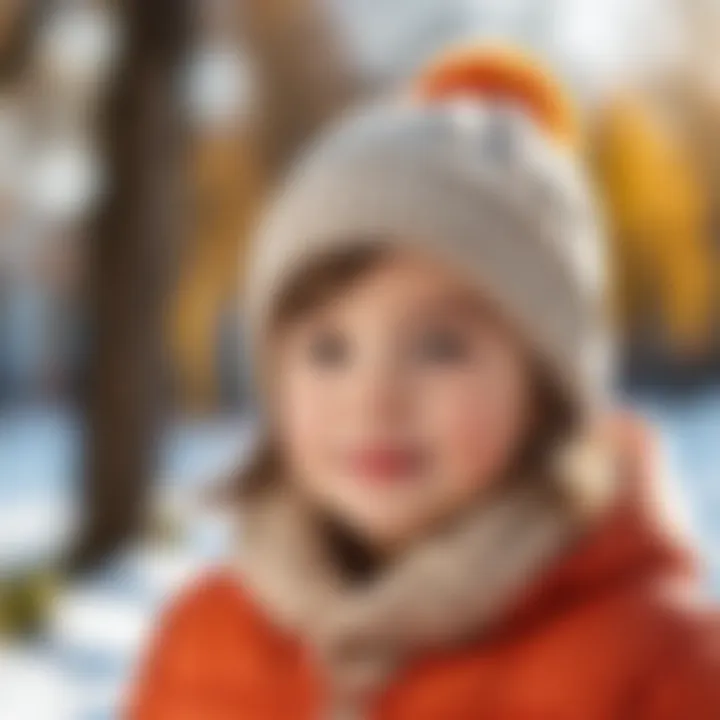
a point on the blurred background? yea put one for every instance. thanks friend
(138, 140)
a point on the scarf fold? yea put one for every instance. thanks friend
(447, 589)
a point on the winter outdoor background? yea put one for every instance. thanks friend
(137, 141)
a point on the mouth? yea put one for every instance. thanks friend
(385, 464)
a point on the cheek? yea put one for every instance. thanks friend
(477, 421)
(303, 407)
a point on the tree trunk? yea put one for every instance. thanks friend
(19, 23)
(132, 247)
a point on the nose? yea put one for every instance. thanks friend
(377, 392)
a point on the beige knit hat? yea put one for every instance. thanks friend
(478, 168)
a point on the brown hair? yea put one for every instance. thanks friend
(323, 280)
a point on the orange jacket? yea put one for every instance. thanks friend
(612, 632)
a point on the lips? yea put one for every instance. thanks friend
(384, 464)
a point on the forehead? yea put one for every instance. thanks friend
(406, 282)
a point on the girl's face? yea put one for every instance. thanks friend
(400, 400)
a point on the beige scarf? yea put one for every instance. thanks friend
(447, 589)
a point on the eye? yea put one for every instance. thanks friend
(442, 346)
(328, 349)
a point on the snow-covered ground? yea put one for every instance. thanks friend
(80, 669)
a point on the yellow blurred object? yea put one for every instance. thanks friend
(659, 218)
(228, 189)
(26, 601)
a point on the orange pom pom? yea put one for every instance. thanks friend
(506, 74)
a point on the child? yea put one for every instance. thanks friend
(442, 524)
